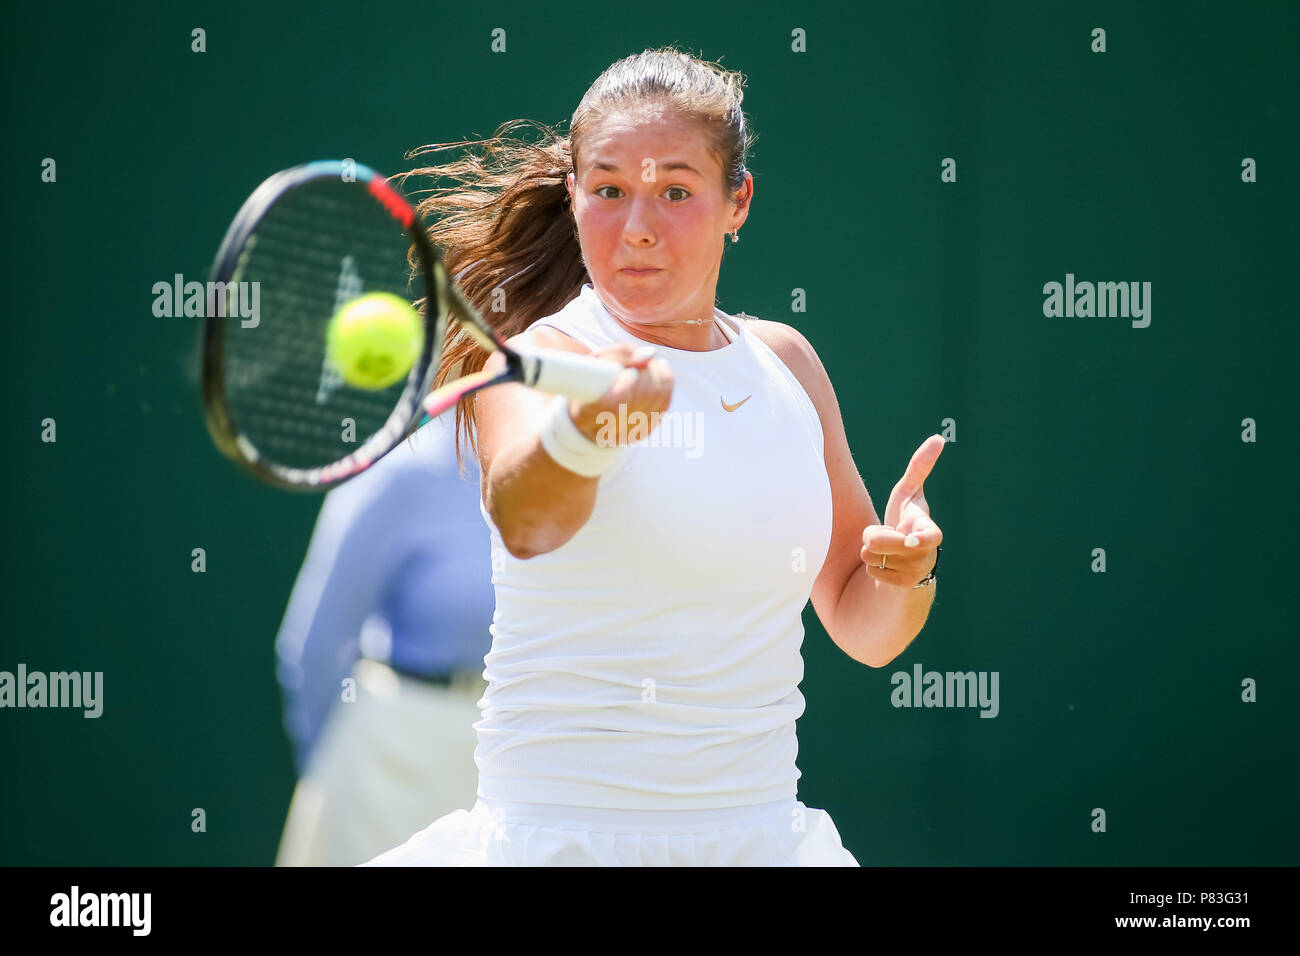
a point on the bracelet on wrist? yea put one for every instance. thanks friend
(930, 578)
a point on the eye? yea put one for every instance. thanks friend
(685, 193)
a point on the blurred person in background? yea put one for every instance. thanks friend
(380, 654)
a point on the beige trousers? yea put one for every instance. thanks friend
(385, 766)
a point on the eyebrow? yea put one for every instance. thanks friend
(610, 167)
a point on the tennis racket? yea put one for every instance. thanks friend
(308, 241)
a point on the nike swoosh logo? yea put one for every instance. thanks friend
(732, 408)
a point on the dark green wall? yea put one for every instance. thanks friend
(1119, 690)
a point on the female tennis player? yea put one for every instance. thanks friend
(654, 549)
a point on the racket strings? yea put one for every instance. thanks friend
(319, 246)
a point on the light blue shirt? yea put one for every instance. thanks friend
(403, 550)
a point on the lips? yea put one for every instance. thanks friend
(639, 272)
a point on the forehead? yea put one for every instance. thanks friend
(626, 138)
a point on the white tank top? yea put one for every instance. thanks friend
(652, 662)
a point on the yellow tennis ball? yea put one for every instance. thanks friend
(374, 340)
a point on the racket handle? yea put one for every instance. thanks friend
(579, 377)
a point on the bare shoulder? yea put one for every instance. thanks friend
(548, 337)
(794, 349)
(537, 337)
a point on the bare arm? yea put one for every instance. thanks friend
(870, 620)
(537, 504)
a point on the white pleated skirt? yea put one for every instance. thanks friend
(491, 833)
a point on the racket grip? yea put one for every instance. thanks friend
(579, 377)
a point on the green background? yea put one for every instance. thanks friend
(1119, 690)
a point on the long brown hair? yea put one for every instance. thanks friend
(506, 228)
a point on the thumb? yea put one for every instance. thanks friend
(627, 354)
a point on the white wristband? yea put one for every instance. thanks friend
(572, 449)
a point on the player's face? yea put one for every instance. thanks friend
(661, 207)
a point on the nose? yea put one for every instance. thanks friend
(640, 228)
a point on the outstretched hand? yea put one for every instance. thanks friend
(908, 541)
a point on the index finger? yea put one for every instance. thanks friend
(879, 539)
